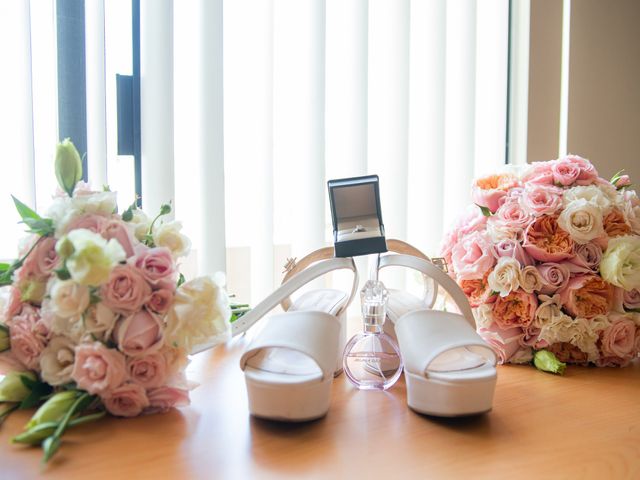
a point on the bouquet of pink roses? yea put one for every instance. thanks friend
(550, 262)
(98, 318)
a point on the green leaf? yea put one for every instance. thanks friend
(62, 273)
(616, 176)
(50, 446)
(4, 267)
(485, 211)
(181, 280)
(6, 409)
(24, 211)
(39, 390)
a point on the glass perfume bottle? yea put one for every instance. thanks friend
(372, 358)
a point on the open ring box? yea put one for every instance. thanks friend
(356, 215)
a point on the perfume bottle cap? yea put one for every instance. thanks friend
(374, 296)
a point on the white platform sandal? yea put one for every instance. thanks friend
(449, 370)
(290, 364)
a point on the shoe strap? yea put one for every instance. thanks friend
(423, 335)
(314, 334)
(429, 269)
(297, 281)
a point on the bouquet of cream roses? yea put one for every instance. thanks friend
(98, 318)
(550, 262)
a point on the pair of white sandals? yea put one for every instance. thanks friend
(290, 364)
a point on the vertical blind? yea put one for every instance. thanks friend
(249, 106)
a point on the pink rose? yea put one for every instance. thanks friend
(159, 301)
(470, 221)
(98, 369)
(164, 398)
(529, 338)
(555, 276)
(139, 334)
(631, 299)
(490, 199)
(539, 173)
(150, 371)
(510, 214)
(623, 181)
(28, 336)
(618, 340)
(14, 305)
(517, 309)
(612, 362)
(512, 249)
(118, 230)
(587, 255)
(157, 267)
(541, 199)
(587, 296)
(504, 342)
(565, 173)
(127, 400)
(473, 256)
(41, 261)
(588, 173)
(89, 221)
(490, 191)
(126, 291)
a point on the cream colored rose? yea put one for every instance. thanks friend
(620, 263)
(505, 276)
(99, 321)
(483, 316)
(548, 311)
(600, 196)
(530, 279)
(524, 355)
(582, 220)
(168, 235)
(56, 361)
(92, 257)
(100, 203)
(141, 223)
(68, 299)
(199, 316)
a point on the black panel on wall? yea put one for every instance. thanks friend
(72, 100)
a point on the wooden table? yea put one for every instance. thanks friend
(583, 425)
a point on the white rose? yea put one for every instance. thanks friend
(100, 203)
(62, 211)
(548, 311)
(585, 335)
(620, 263)
(629, 204)
(99, 321)
(141, 223)
(92, 257)
(524, 355)
(598, 195)
(505, 276)
(168, 235)
(68, 299)
(483, 315)
(498, 231)
(530, 279)
(56, 361)
(582, 220)
(199, 315)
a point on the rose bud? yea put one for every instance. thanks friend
(547, 362)
(12, 389)
(54, 409)
(4, 338)
(68, 166)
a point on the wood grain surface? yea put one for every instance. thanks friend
(583, 425)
